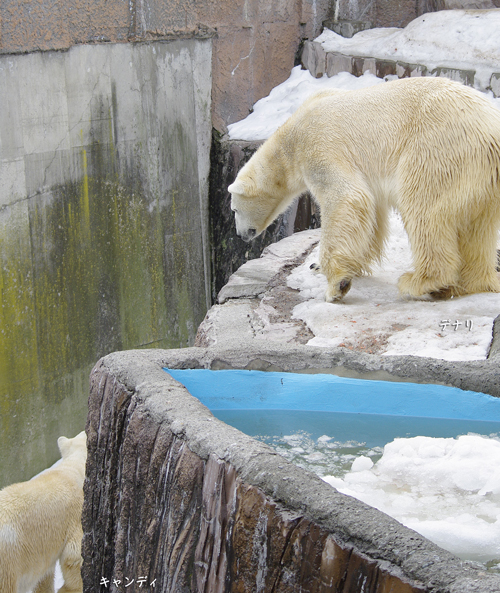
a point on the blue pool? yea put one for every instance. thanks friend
(392, 445)
(371, 412)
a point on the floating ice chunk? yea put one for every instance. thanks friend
(446, 489)
(361, 463)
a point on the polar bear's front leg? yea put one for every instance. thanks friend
(349, 239)
(338, 273)
(340, 289)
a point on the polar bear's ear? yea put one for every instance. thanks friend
(63, 444)
(237, 187)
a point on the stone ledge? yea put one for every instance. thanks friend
(318, 62)
(245, 323)
(253, 277)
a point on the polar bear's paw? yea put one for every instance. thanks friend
(415, 286)
(337, 291)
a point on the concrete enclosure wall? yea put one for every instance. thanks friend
(104, 164)
(254, 49)
(177, 498)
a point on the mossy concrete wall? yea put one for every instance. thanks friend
(104, 162)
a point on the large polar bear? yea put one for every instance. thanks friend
(428, 147)
(40, 523)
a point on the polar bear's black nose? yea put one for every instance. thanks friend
(248, 235)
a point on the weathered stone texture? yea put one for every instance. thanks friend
(495, 84)
(179, 498)
(314, 58)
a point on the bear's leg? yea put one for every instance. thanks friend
(71, 563)
(436, 257)
(352, 236)
(479, 256)
(46, 585)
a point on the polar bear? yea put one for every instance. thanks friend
(428, 147)
(40, 523)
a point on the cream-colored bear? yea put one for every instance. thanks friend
(40, 523)
(428, 147)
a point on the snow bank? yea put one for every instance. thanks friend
(463, 39)
(272, 111)
(448, 490)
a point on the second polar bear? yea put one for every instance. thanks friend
(40, 523)
(428, 147)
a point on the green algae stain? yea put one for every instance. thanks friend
(109, 259)
(17, 321)
(89, 268)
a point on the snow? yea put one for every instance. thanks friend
(272, 111)
(462, 39)
(372, 317)
(448, 490)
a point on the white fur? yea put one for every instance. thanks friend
(40, 523)
(428, 147)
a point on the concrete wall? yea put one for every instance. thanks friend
(254, 49)
(104, 163)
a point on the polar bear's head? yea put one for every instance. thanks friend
(261, 192)
(76, 445)
(250, 219)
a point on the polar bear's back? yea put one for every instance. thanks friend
(409, 100)
(49, 507)
(390, 131)
(41, 517)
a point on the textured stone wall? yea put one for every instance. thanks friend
(177, 498)
(398, 13)
(104, 164)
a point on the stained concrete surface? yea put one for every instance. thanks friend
(104, 165)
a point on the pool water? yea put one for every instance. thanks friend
(328, 442)
(428, 455)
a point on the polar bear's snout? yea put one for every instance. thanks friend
(247, 235)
